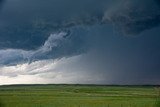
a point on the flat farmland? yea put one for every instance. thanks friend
(78, 96)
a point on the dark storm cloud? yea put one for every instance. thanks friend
(25, 30)
(32, 30)
(125, 60)
(1, 3)
(33, 25)
(58, 45)
(133, 17)
(35, 30)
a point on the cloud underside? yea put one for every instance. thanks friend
(42, 42)
(29, 41)
(47, 71)
(67, 70)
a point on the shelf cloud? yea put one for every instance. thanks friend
(119, 38)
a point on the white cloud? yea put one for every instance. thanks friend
(65, 70)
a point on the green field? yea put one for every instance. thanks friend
(78, 96)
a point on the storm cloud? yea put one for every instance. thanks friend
(133, 17)
(41, 19)
(117, 36)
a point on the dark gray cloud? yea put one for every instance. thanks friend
(33, 30)
(29, 28)
(1, 2)
(58, 45)
(40, 20)
(133, 17)
(33, 25)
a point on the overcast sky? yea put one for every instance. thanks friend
(79, 41)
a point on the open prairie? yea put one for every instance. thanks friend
(78, 96)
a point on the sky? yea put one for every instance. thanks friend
(80, 42)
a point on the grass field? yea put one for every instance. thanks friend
(78, 96)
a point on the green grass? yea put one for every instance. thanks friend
(78, 96)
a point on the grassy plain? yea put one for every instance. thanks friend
(78, 96)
